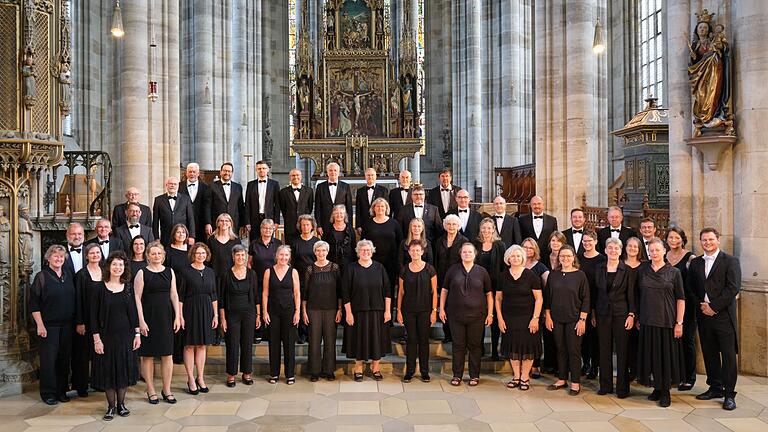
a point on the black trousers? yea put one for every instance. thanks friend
(495, 336)
(282, 332)
(322, 331)
(467, 337)
(689, 343)
(239, 339)
(590, 350)
(718, 347)
(550, 350)
(82, 350)
(447, 330)
(612, 335)
(55, 351)
(568, 351)
(632, 354)
(417, 326)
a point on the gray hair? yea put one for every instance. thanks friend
(510, 250)
(321, 244)
(340, 207)
(282, 248)
(193, 165)
(53, 250)
(238, 248)
(267, 222)
(376, 202)
(364, 243)
(615, 241)
(451, 217)
(306, 217)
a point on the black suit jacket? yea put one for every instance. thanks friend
(510, 230)
(271, 205)
(235, 207)
(201, 206)
(626, 233)
(292, 209)
(433, 197)
(569, 238)
(619, 298)
(721, 286)
(165, 218)
(118, 215)
(363, 208)
(473, 225)
(124, 234)
(396, 201)
(115, 244)
(433, 225)
(547, 228)
(324, 204)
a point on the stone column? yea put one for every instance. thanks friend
(202, 40)
(438, 65)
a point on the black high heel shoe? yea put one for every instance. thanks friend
(201, 388)
(193, 392)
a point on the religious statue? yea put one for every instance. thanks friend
(65, 84)
(345, 124)
(407, 88)
(330, 29)
(25, 236)
(394, 103)
(304, 96)
(28, 72)
(5, 237)
(709, 74)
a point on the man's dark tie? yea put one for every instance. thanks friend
(331, 184)
(262, 181)
(539, 217)
(133, 226)
(192, 185)
(225, 184)
(578, 231)
(463, 211)
(74, 249)
(103, 242)
(172, 197)
(444, 190)
(615, 230)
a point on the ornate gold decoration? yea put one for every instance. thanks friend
(41, 113)
(9, 84)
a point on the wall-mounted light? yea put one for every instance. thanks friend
(207, 99)
(598, 45)
(117, 21)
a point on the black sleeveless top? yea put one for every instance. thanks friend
(281, 291)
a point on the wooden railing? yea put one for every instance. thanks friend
(595, 217)
(517, 184)
(660, 216)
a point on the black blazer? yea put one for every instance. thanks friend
(433, 224)
(324, 204)
(165, 218)
(292, 209)
(115, 244)
(124, 235)
(396, 201)
(271, 205)
(473, 225)
(118, 215)
(235, 207)
(619, 298)
(722, 285)
(626, 233)
(510, 230)
(363, 208)
(548, 227)
(201, 206)
(433, 197)
(569, 238)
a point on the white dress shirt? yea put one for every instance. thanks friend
(332, 191)
(709, 261)
(370, 193)
(104, 247)
(262, 188)
(499, 218)
(538, 224)
(404, 195)
(172, 202)
(615, 234)
(418, 211)
(464, 216)
(77, 257)
(577, 237)
(134, 231)
(445, 196)
(227, 189)
(192, 190)
(296, 192)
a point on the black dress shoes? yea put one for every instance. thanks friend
(654, 396)
(603, 392)
(729, 404)
(685, 387)
(63, 398)
(710, 394)
(592, 373)
(110, 414)
(50, 400)
(665, 400)
(82, 393)
(123, 411)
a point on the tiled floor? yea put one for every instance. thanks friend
(389, 405)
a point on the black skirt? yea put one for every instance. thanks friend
(520, 344)
(660, 357)
(368, 339)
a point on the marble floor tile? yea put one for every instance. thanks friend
(436, 428)
(591, 426)
(358, 387)
(288, 408)
(514, 427)
(394, 407)
(252, 408)
(359, 408)
(429, 407)
(744, 424)
(668, 426)
(217, 408)
(60, 420)
(570, 404)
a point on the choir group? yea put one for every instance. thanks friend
(167, 282)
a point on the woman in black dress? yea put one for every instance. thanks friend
(116, 337)
(633, 257)
(417, 309)
(447, 254)
(590, 261)
(340, 238)
(221, 243)
(532, 256)
(52, 302)
(365, 292)
(680, 258)
(321, 310)
(470, 308)
(415, 232)
(302, 256)
(490, 255)
(281, 303)
(239, 315)
(518, 305)
(384, 232)
(262, 253)
(86, 282)
(661, 311)
(177, 254)
(138, 260)
(614, 313)
(157, 301)
(566, 306)
(199, 314)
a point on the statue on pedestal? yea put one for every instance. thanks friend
(28, 73)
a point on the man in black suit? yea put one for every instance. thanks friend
(365, 197)
(295, 200)
(433, 225)
(470, 219)
(507, 226)
(443, 196)
(714, 280)
(400, 196)
(615, 229)
(647, 232)
(170, 209)
(261, 200)
(329, 194)
(538, 225)
(75, 259)
(227, 197)
(574, 233)
(200, 195)
(132, 195)
(133, 228)
(107, 242)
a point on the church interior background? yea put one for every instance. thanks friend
(587, 103)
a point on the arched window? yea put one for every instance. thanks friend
(651, 50)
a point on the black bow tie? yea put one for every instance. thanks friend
(444, 190)
(296, 189)
(418, 206)
(75, 249)
(103, 242)
(615, 230)
(404, 189)
(225, 184)
(262, 181)
(172, 197)
(498, 217)
(133, 226)
(192, 185)
(463, 211)
(371, 187)
(646, 243)
(539, 217)
(331, 184)
(578, 231)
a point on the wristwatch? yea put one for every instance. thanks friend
(583, 319)
(632, 314)
(434, 310)
(680, 323)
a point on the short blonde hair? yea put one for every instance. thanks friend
(53, 250)
(494, 236)
(376, 202)
(512, 249)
